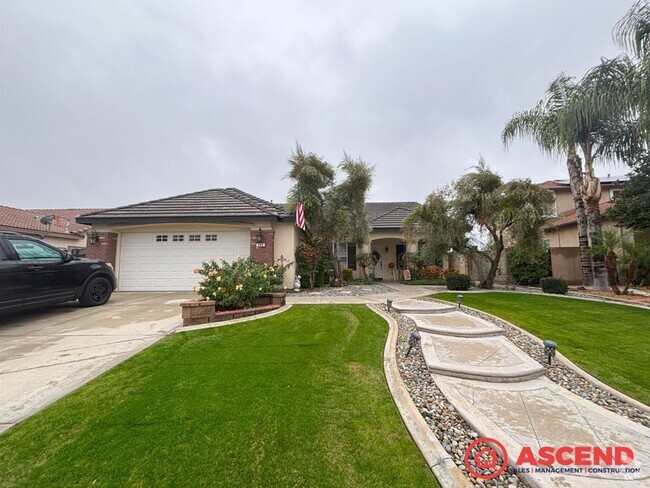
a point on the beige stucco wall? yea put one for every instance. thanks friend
(563, 202)
(567, 236)
(67, 244)
(287, 237)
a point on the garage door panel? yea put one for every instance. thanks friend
(148, 265)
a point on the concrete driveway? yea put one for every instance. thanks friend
(48, 353)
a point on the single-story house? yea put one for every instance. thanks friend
(61, 231)
(154, 245)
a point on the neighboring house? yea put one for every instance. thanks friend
(154, 245)
(62, 232)
(561, 233)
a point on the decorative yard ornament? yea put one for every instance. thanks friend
(296, 284)
(389, 303)
(459, 299)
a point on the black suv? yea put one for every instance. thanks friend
(33, 274)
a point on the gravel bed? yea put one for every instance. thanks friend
(349, 290)
(452, 431)
(562, 375)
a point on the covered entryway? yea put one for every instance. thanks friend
(163, 261)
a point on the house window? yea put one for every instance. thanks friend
(346, 253)
(178, 238)
(161, 238)
(547, 243)
(614, 193)
(195, 237)
(211, 237)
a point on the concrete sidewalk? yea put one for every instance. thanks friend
(48, 353)
(397, 292)
(500, 391)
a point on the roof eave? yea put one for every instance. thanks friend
(95, 220)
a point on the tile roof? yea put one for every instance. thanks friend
(388, 215)
(218, 204)
(570, 218)
(28, 221)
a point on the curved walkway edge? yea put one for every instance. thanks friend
(572, 366)
(213, 325)
(439, 461)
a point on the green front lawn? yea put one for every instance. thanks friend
(609, 341)
(297, 399)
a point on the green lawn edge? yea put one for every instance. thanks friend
(296, 399)
(609, 341)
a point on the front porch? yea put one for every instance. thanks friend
(389, 250)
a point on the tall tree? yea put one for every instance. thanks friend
(479, 199)
(593, 116)
(541, 124)
(334, 212)
(632, 205)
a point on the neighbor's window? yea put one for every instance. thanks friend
(211, 237)
(161, 238)
(195, 237)
(178, 238)
(28, 250)
(547, 243)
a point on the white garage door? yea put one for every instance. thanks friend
(164, 261)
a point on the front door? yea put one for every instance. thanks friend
(400, 249)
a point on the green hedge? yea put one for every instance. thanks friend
(458, 282)
(436, 282)
(554, 285)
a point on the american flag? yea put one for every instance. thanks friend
(300, 215)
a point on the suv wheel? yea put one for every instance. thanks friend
(97, 292)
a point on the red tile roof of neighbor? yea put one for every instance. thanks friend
(28, 221)
(570, 218)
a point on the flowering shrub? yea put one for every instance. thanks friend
(431, 272)
(235, 285)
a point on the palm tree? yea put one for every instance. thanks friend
(596, 117)
(541, 123)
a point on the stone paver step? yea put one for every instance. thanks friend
(421, 306)
(537, 413)
(457, 324)
(493, 359)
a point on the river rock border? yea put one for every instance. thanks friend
(448, 426)
(561, 374)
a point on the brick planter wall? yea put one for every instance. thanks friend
(271, 298)
(196, 312)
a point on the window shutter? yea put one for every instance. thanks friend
(352, 256)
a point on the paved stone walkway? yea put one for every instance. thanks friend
(503, 394)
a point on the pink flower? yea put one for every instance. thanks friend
(195, 270)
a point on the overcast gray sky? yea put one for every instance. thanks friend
(106, 103)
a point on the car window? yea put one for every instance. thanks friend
(3, 256)
(30, 250)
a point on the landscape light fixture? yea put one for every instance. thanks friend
(259, 239)
(459, 299)
(92, 236)
(389, 303)
(413, 340)
(549, 350)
